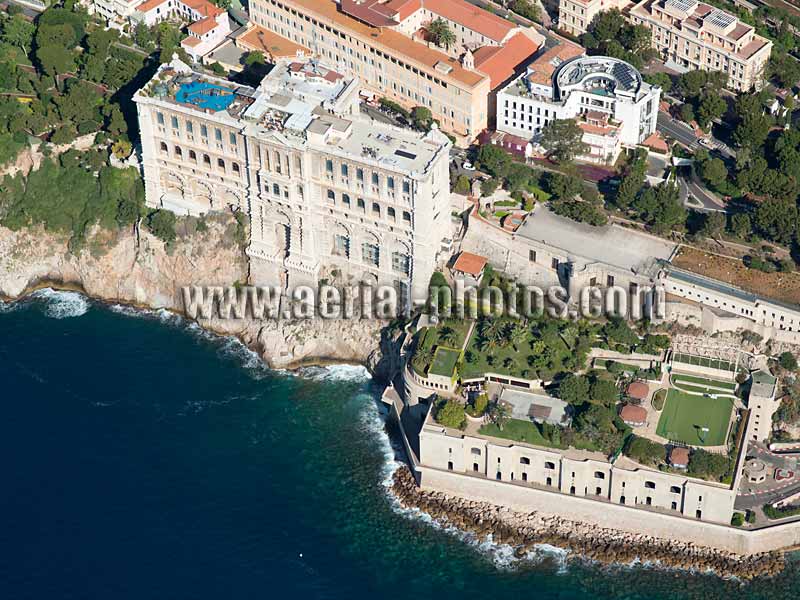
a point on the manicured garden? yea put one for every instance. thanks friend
(685, 415)
(518, 431)
(444, 362)
(708, 385)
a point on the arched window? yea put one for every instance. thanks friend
(193, 155)
(390, 212)
(376, 208)
(524, 460)
(346, 199)
(331, 195)
(207, 159)
(406, 216)
(221, 164)
(235, 167)
(178, 151)
(599, 475)
(164, 148)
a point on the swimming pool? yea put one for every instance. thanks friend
(205, 95)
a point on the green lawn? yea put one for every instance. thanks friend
(704, 382)
(684, 415)
(444, 362)
(516, 430)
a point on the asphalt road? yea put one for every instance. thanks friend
(698, 197)
(677, 130)
(767, 492)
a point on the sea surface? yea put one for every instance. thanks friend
(145, 459)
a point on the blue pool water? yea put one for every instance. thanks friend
(205, 95)
(143, 459)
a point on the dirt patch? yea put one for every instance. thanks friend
(779, 286)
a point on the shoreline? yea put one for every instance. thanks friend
(581, 541)
(66, 286)
(521, 531)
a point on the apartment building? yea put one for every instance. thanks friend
(613, 105)
(330, 193)
(574, 473)
(574, 16)
(695, 35)
(385, 44)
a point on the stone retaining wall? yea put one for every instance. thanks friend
(607, 515)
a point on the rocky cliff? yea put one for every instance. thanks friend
(136, 268)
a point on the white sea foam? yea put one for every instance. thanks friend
(62, 304)
(7, 307)
(336, 373)
(502, 555)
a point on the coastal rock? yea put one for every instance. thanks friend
(523, 531)
(135, 268)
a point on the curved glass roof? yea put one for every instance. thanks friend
(598, 73)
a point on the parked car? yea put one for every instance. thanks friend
(468, 166)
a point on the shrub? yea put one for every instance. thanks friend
(781, 513)
(737, 520)
(451, 414)
(463, 186)
(709, 466)
(161, 223)
(479, 405)
(644, 451)
(788, 361)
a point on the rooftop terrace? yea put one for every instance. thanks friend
(611, 244)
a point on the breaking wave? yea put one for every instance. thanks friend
(62, 304)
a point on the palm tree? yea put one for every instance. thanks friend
(498, 414)
(422, 358)
(440, 33)
(519, 333)
(448, 335)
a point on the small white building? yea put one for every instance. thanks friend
(614, 106)
(209, 24)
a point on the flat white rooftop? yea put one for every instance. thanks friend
(613, 245)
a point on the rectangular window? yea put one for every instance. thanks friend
(218, 135)
(406, 187)
(189, 127)
(554, 263)
(344, 170)
(532, 255)
(204, 131)
(340, 245)
(160, 118)
(390, 182)
(232, 138)
(329, 166)
(370, 254)
(174, 122)
(400, 262)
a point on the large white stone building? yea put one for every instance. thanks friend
(613, 105)
(330, 193)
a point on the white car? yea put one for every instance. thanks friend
(468, 166)
(706, 142)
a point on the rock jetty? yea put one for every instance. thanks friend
(523, 531)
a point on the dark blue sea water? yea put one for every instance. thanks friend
(142, 459)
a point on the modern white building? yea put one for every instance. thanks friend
(331, 194)
(613, 105)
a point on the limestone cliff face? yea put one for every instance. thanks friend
(138, 269)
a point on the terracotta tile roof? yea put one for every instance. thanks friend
(148, 5)
(480, 20)
(739, 31)
(392, 41)
(638, 390)
(633, 414)
(655, 142)
(543, 67)
(469, 263)
(265, 41)
(204, 7)
(679, 456)
(609, 130)
(191, 41)
(751, 48)
(380, 13)
(501, 64)
(203, 26)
